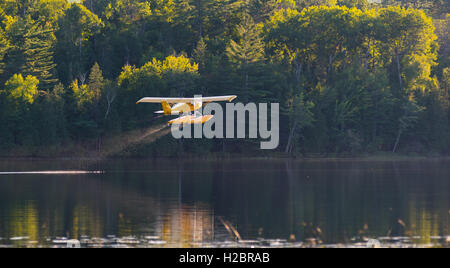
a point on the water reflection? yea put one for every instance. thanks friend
(178, 204)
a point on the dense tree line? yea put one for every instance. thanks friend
(350, 76)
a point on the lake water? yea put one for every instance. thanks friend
(224, 203)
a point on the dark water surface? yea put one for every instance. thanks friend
(173, 203)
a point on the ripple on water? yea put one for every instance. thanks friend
(111, 241)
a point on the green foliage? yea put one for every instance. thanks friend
(350, 76)
(324, 44)
(409, 37)
(38, 51)
(442, 31)
(25, 90)
(360, 4)
(300, 4)
(249, 48)
(73, 48)
(4, 46)
(96, 81)
(246, 53)
(446, 78)
(30, 50)
(49, 118)
(300, 116)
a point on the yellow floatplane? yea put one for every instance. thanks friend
(187, 107)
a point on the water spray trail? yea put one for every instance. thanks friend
(152, 131)
(52, 172)
(135, 137)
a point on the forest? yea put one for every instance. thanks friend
(351, 77)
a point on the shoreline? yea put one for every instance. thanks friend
(129, 145)
(237, 157)
(123, 146)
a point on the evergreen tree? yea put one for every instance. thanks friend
(96, 83)
(31, 51)
(4, 46)
(200, 54)
(88, 116)
(88, 95)
(249, 48)
(247, 51)
(38, 50)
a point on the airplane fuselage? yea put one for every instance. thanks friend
(186, 107)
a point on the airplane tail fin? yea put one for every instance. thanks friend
(166, 108)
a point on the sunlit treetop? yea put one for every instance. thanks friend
(127, 10)
(22, 89)
(44, 12)
(78, 24)
(171, 64)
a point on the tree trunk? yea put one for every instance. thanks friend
(397, 56)
(298, 72)
(70, 71)
(246, 87)
(81, 56)
(330, 64)
(200, 18)
(291, 137)
(127, 55)
(180, 146)
(375, 125)
(246, 93)
(397, 140)
(366, 57)
(110, 97)
(298, 77)
(99, 143)
(107, 110)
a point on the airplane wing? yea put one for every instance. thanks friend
(186, 100)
